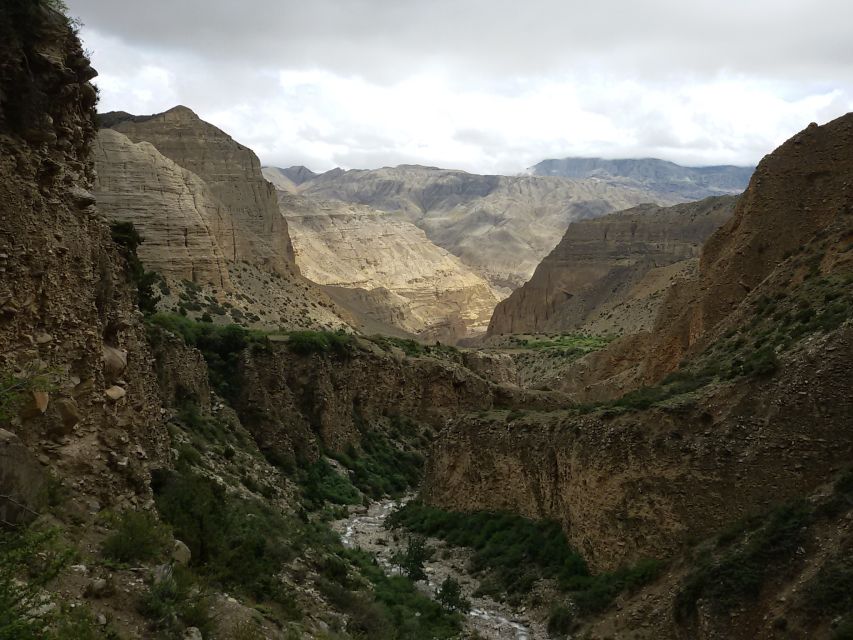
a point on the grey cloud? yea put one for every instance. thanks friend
(385, 40)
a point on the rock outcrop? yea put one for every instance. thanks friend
(665, 178)
(253, 229)
(758, 409)
(69, 324)
(212, 235)
(500, 226)
(182, 221)
(608, 275)
(354, 247)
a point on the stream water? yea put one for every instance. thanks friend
(491, 619)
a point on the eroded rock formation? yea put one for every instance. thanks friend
(608, 275)
(427, 290)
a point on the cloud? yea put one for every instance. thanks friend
(485, 86)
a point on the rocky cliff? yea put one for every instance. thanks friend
(73, 341)
(253, 230)
(429, 291)
(181, 219)
(665, 178)
(608, 275)
(210, 236)
(756, 409)
(500, 226)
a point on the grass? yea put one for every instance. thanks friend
(570, 344)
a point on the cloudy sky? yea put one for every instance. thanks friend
(491, 86)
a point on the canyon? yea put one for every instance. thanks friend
(653, 440)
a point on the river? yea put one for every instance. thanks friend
(490, 619)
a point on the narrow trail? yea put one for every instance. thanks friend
(491, 619)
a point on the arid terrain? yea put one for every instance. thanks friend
(409, 403)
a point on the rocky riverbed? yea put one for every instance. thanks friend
(365, 528)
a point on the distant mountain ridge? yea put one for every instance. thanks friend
(662, 176)
(501, 226)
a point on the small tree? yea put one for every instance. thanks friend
(411, 561)
(450, 596)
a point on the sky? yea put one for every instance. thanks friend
(488, 86)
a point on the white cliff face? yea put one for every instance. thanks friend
(172, 206)
(256, 232)
(422, 285)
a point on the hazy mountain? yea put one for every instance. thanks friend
(663, 177)
(502, 226)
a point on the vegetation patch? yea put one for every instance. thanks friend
(568, 344)
(126, 236)
(739, 574)
(516, 552)
(137, 537)
(415, 349)
(221, 346)
(382, 468)
(235, 543)
(309, 342)
(401, 611)
(321, 484)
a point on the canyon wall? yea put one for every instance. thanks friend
(617, 264)
(501, 226)
(429, 292)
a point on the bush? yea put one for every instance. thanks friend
(138, 537)
(221, 346)
(560, 621)
(126, 236)
(740, 573)
(236, 543)
(518, 550)
(175, 601)
(449, 595)
(308, 342)
(27, 563)
(321, 483)
(382, 468)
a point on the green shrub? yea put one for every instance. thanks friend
(28, 562)
(560, 621)
(126, 236)
(321, 483)
(221, 346)
(13, 390)
(740, 573)
(516, 549)
(413, 615)
(449, 595)
(137, 537)
(175, 601)
(235, 542)
(382, 468)
(308, 342)
(830, 592)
